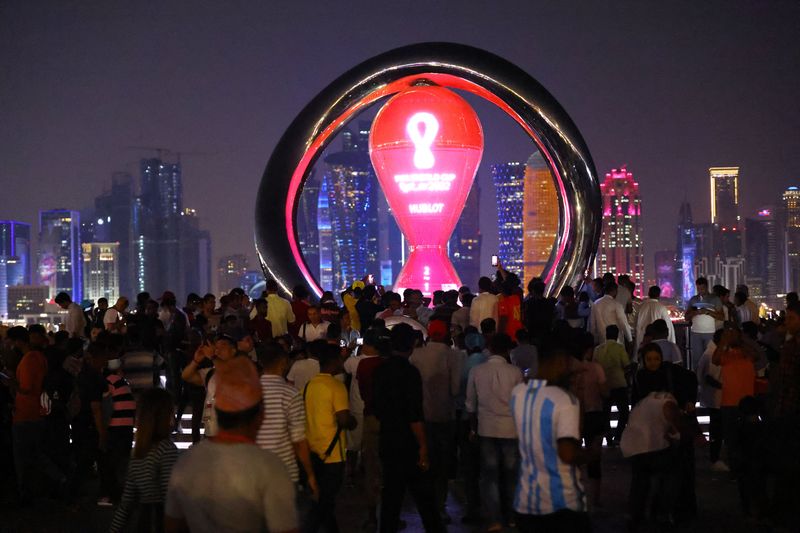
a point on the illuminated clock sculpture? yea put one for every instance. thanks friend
(426, 144)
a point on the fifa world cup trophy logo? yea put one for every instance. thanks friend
(425, 144)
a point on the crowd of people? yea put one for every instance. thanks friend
(511, 394)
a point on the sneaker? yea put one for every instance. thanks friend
(105, 501)
(719, 466)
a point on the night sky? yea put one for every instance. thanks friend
(667, 88)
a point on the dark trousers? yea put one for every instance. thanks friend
(685, 497)
(397, 477)
(559, 522)
(30, 460)
(469, 460)
(197, 398)
(619, 398)
(114, 461)
(653, 479)
(441, 447)
(84, 448)
(323, 513)
(730, 434)
(714, 434)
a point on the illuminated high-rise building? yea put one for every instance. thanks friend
(230, 270)
(686, 253)
(763, 264)
(465, 243)
(15, 258)
(620, 250)
(307, 223)
(60, 252)
(540, 216)
(665, 263)
(724, 196)
(195, 256)
(509, 187)
(353, 208)
(101, 271)
(111, 221)
(325, 236)
(791, 239)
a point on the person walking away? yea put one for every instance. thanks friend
(489, 389)
(549, 496)
(525, 355)
(228, 483)
(403, 443)
(484, 305)
(709, 379)
(649, 311)
(607, 311)
(114, 461)
(327, 418)
(283, 429)
(439, 368)
(150, 466)
(611, 355)
(259, 327)
(279, 310)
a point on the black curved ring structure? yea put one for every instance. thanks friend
(451, 65)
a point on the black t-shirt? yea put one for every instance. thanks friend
(398, 403)
(367, 309)
(539, 316)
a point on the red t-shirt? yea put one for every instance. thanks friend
(365, 375)
(30, 376)
(300, 310)
(509, 307)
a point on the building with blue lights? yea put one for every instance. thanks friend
(60, 254)
(509, 186)
(15, 258)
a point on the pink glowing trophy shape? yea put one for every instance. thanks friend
(425, 144)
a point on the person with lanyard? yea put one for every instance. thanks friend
(228, 483)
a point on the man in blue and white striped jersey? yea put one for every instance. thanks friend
(549, 494)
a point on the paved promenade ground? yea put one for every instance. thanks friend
(719, 509)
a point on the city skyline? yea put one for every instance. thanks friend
(661, 89)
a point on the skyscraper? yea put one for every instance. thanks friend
(230, 270)
(620, 250)
(60, 252)
(324, 234)
(101, 271)
(162, 208)
(195, 255)
(15, 258)
(111, 221)
(686, 252)
(465, 243)
(307, 224)
(665, 262)
(540, 217)
(763, 259)
(724, 196)
(509, 186)
(353, 208)
(791, 239)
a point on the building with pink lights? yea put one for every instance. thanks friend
(620, 250)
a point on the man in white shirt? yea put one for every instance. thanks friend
(606, 311)
(703, 310)
(315, 328)
(484, 305)
(113, 319)
(650, 311)
(75, 324)
(489, 387)
(549, 495)
(279, 310)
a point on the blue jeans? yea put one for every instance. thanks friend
(699, 343)
(499, 465)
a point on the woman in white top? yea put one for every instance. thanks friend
(647, 440)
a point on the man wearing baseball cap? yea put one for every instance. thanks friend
(228, 483)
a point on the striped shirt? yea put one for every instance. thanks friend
(543, 414)
(146, 482)
(284, 421)
(123, 404)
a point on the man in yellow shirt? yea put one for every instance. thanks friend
(327, 416)
(613, 357)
